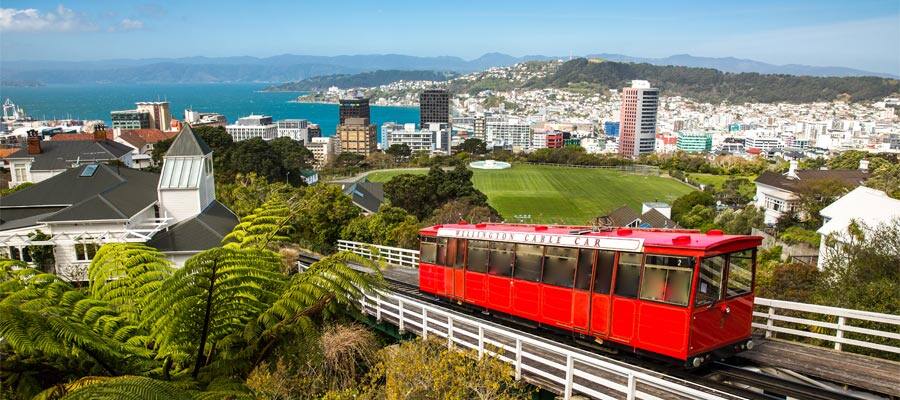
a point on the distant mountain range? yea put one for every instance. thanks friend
(364, 79)
(290, 67)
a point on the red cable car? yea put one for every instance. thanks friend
(681, 294)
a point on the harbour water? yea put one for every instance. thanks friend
(234, 100)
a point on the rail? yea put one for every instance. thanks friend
(767, 316)
(565, 368)
(772, 322)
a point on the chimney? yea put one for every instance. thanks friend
(792, 171)
(34, 142)
(99, 133)
(864, 165)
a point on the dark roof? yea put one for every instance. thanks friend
(655, 219)
(852, 177)
(204, 231)
(187, 143)
(110, 193)
(366, 195)
(622, 216)
(62, 154)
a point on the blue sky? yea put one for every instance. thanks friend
(859, 34)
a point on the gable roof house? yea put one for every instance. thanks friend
(655, 215)
(141, 142)
(368, 196)
(41, 159)
(86, 206)
(778, 194)
(864, 206)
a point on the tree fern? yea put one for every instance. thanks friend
(267, 224)
(119, 387)
(125, 274)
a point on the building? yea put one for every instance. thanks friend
(512, 134)
(555, 140)
(762, 140)
(141, 141)
(297, 129)
(86, 206)
(309, 176)
(434, 107)
(324, 149)
(434, 137)
(694, 141)
(196, 118)
(42, 159)
(611, 128)
(160, 117)
(653, 215)
(863, 206)
(357, 107)
(130, 119)
(368, 196)
(357, 136)
(777, 194)
(314, 131)
(253, 126)
(637, 118)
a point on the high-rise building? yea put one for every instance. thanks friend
(637, 117)
(160, 117)
(197, 118)
(297, 129)
(434, 107)
(611, 128)
(357, 107)
(434, 137)
(357, 136)
(324, 149)
(130, 119)
(253, 126)
(694, 141)
(512, 134)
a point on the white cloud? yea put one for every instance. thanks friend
(61, 19)
(129, 24)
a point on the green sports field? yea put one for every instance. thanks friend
(563, 195)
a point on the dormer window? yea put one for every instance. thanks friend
(181, 173)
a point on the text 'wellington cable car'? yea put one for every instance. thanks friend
(681, 294)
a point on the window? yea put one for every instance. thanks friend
(441, 251)
(22, 254)
(628, 276)
(428, 249)
(603, 276)
(479, 252)
(667, 279)
(21, 173)
(85, 251)
(457, 248)
(559, 266)
(528, 262)
(740, 272)
(501, 259)
(709, 287)
(585, 269)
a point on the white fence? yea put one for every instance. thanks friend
(773, 322)
(540, 360)
(767, 311)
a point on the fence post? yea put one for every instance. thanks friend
(770, 323)
(632, 387)
(400, 318)
(480, 341)
(570, 376)
(518, 359)
(840, 333)
(449, 331)
(424, 323)
(378, 307)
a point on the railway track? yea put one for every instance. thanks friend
(746, 381)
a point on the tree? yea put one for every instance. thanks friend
(390, 226)
(325, 211)
(294, 158)
(792, 282)
(255, 155)
(463, 209)
(420, 195)
(740, 222)
(887, 179)
(700, 217)
(814, 195)
(684, 204)
(473, 146)
(400, 152)
(42, 255)
(249, 191)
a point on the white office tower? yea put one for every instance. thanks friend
(297, 129)
(253, 126)
(432, 138)
(186, 184)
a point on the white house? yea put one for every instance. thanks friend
(83, 207)
(866, 206)
(141, 142)
(777, 194)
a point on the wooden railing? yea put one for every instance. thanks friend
(392, 255)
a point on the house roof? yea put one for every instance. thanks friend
(625, 216)
(204, 231)
(187, 143)
(655, 219)
(865, 205)
(110, 193)
(622, 216)
(853, 177)
(366, 195)
(77, 137)
(57, 155)
(141, 137)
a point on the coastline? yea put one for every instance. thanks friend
(336, 103)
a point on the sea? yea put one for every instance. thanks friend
(234, 100)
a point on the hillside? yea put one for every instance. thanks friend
(365, 79)
(706, 84)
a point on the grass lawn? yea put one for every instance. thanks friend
(386, 175)
(564, 195)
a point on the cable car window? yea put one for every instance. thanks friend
(441, 251)
(559, 266)
(460, 260)
(709, 287)
(428, 249)
(501, 259)
(479, 250)
(740, 273)
(528, 262)
(667, 279)
(603, 276)
(628, 277)
(585, 269)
